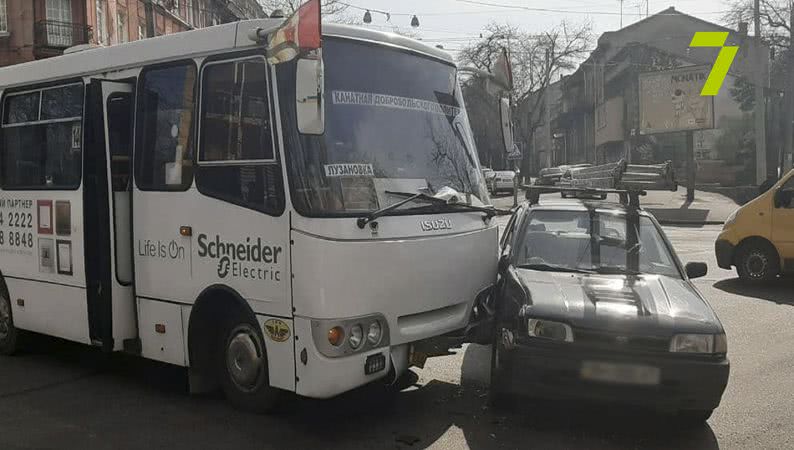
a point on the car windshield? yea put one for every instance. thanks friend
(395, 121)
(593, 241)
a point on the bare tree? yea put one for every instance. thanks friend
(536, 59)
(332, 9)
(776, 29)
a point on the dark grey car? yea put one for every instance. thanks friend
(592, 303)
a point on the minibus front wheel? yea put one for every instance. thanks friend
(242, 366)
(757, 261)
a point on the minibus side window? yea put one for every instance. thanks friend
(237, 160)
(164, 144)
(42, 138)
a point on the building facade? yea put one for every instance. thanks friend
(597, 119)
(35, 29)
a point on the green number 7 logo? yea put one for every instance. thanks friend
(723, 62)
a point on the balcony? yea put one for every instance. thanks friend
(52, 37)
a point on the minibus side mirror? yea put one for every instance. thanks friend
(782, 198)
(696, 269)
(309, 93)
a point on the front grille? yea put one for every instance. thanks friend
(620, 342)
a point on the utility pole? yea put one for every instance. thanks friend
(760, 101)
(690, 166)
(788, 103)
(149, 10)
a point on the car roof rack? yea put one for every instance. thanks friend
(615, 175)
(628, 197)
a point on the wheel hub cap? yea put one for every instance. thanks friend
(756, 265)
(243, 360)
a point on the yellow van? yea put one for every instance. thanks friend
(758, 238)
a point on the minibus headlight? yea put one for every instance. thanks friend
(339, 337)
(374, 333)
(336, 336)
(356, 337)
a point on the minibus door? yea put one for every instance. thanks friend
(111, 308)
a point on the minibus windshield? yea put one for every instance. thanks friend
(395, 121)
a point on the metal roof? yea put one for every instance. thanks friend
(230, 36)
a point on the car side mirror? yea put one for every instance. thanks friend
(504, 262)
(309, 105)
(696, 269)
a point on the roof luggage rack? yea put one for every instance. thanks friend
(617, 175)
(628, 197)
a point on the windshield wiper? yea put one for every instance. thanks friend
(553, 268)
(435, 201)
(489, 211)
(363, 221)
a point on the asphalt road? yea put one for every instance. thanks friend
(61, 395)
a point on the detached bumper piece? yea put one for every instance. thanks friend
(374, 363)
(724, 251)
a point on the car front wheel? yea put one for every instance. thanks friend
(757, 262)
(498, 396)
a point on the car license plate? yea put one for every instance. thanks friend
(620, 373)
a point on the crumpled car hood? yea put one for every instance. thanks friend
(642, 304)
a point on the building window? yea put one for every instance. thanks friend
(237, 161)
(164, 144)
(101, 22)
(3, 17)
(122, 32)
(42, 138)
(59, 23)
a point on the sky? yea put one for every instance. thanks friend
(454, 23)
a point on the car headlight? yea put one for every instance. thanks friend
(356, 336)
(549, 329)
(699, 343)
(374, 333)
(731, 219)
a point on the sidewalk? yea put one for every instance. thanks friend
(671, 208)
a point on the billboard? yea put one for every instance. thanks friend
(670, 100)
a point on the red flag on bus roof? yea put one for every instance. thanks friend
(300, 32)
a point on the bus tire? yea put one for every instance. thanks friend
(9, 335)
(757, 261)
(242, 366)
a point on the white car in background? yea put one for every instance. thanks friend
(501, 180)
